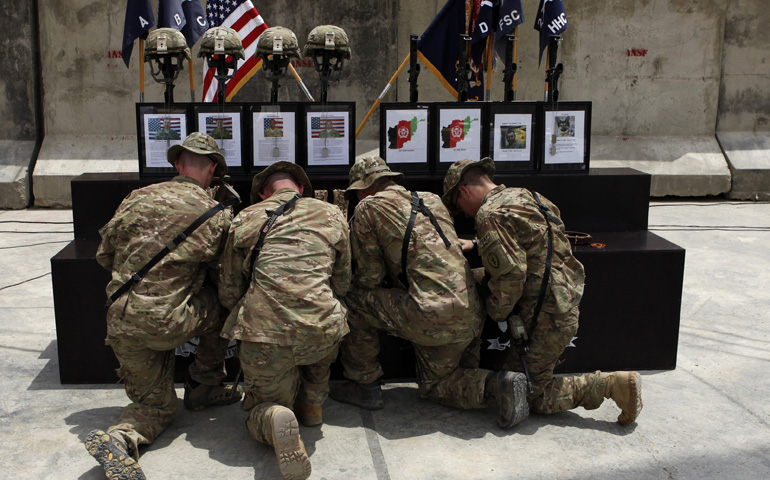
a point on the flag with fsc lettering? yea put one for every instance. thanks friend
(510, 15)
(139, 20)
(241, 16)
(551, 20)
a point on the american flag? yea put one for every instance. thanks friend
(318, 123)
(241, 16)
(278, 122)
(155, 124)
(211, 124)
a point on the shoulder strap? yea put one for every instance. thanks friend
(274, 214)
(142, 272)
(417, 206)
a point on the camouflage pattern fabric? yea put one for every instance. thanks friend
(322, 195)
(513, 244)
(169, 306)
(304, 267)
(341, 201)
(282, 375)
(439, 312)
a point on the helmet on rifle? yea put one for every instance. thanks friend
(329, 47)
(221, 41)
(166, 52)
(276, 46)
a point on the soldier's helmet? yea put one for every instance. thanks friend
(202, 144)
(327, 38)
(292, 169)
(221, 41)
(366, 171)
(455, 174)
(278, 41)
(163, 42)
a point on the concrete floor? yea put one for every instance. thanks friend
(709, 418)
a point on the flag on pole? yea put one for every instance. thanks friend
(241, 16)
(139, 20)
(438, 47)
(171, 15)
(551, 20)
(510, 15)
(196, 24)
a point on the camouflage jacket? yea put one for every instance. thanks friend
(513, 243)
(146, 221)
(440, 279)
(304, 267)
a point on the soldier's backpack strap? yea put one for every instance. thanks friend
(142, 272)
(274, 214)
(417, 206)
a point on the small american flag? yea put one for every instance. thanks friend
(155, 124)
(278, 122)
(241, 16)
(211, 124)
(317, 124)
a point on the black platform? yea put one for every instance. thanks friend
(629, 313)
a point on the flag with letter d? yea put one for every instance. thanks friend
(139, 20)
(551, 20)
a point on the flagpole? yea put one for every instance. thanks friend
(141, 70)
(301, 83)
(192, 81)
(379, 99)
(489, 55)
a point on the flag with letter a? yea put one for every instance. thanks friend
(139, 20)
(551, 20)
(241, 16)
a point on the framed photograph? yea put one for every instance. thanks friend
(513, 136)
(405, 136)
(459, 131)
(275, 135)
(158, 128)
(225, 123)
(566, 129)
(330, 136)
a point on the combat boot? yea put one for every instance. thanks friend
(112, 454)
(367, 396)
(625, 389)
(309, 415)
(289, 448)
(509, 389)
(198, 396)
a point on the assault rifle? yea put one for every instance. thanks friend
(510, 68)
(463, 68)
(414, 68)
(554, 70)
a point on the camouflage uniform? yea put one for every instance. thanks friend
(287, 314)
(513, 243)
(438, 311)
(168, 307)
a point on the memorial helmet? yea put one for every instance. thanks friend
(366, 171)
(455, 174)
(202, 144)
(278, 41)
(166, 45)
(327, 38)
(219, 41)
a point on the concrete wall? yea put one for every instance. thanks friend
(664, 77)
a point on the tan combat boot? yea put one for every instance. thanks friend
(289, 448)
(309, 415)
(625, 389)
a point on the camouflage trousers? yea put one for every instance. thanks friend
(555, 394)
(148, 373)
(446, 369)
(282, 375)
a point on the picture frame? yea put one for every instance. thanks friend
(513, 137)
(459, 132)
(405, 136)
(158, 128)
(276, 134)
(329, 135)
(565, 133)
(226, 123)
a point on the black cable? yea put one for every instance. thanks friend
(25, 281)
(34, 244)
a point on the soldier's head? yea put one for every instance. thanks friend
(368, 175)
(280, 175)
(466, 184)
(188, 158)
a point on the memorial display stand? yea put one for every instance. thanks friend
(629, 316)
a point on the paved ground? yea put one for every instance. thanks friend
(709, 418)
